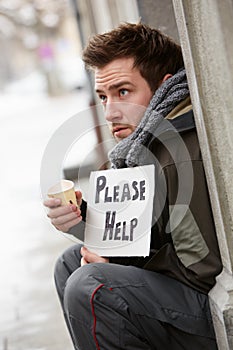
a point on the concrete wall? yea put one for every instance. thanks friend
(206, 29)
(159, 14)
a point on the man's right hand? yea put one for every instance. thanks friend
(64, 217)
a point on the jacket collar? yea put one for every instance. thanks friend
(183, 107)
(171, 128)
(184, 122)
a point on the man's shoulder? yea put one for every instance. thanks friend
(177, 141)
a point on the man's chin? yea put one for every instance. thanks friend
(119, 139)
(121, 135)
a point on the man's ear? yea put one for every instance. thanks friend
(166, 77)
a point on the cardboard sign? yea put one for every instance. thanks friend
(119, 211)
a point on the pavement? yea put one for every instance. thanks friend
(30, 316)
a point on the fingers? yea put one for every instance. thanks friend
(67, 225)
(52, 202)
(90, 257)
(79, 197)
(63, 217)
(55, 212)
(83, 261)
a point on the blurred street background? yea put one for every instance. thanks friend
(42, 84)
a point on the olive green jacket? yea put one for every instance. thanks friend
(183, 237)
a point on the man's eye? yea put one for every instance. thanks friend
(123, 92)
(102, 98)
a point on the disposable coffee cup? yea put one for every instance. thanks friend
(63, 190)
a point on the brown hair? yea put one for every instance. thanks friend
(154, 53)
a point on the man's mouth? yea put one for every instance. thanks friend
(119, 130)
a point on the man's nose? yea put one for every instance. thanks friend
(113, 112)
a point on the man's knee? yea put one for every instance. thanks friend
(65, 265)
(79, 290)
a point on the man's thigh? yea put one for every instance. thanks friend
(141, 303)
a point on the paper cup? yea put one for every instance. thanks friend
(65, 191)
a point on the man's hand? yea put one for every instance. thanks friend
(64, 217)
(89, 257)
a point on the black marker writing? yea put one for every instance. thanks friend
(118, 231)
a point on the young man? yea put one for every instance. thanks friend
(160, 301)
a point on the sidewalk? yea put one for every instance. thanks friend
(30, 317)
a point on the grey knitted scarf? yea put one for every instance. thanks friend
(129, 151)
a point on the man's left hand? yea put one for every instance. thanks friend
(89, 257)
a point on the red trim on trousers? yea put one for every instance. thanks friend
(94, 316)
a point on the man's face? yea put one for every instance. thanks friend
(124, 93)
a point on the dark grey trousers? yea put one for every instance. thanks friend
(114, 307)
